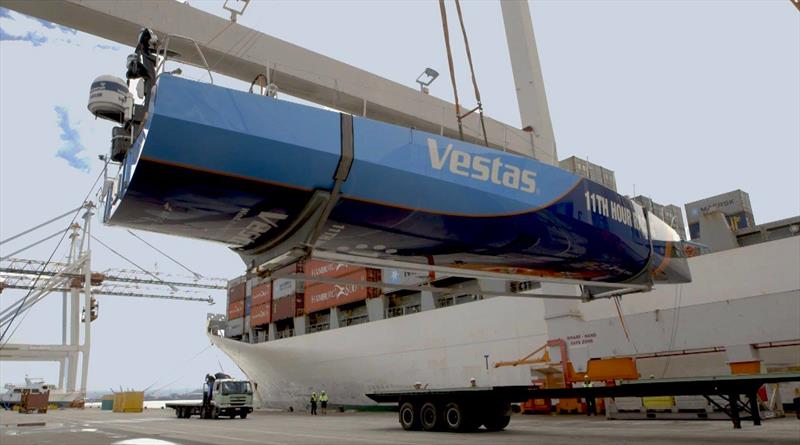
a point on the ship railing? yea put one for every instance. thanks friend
(445, 301)
(355, 320)
(284, 333)
(162, 66)
(318, 327)
(402, 310)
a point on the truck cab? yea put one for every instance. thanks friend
(231, 397)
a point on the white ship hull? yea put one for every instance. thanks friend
(738, 298)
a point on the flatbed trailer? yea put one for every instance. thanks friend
(184, 410)
(466, 409)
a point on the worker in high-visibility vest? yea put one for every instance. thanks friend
(590, 406)
(313, 403)
(323, 402)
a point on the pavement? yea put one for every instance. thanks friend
(161, 427)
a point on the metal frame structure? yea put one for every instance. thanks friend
(243, 53)
(74, 278)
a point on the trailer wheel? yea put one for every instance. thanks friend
(179, 412)
(496, 422)
(430, 417)
(409, 419)
(458, 417)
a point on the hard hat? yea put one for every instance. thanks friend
(472, 379)
(322, 392)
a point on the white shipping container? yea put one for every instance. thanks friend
(235, 327)
(283, 288)
(402, 277)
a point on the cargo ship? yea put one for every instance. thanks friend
(742, 309)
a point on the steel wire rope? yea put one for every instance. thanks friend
(446, 31)
(175, 289)
(472, 71)
(25, 232)
(183, 363)
(675, 321)
(196, 275)
(250, 35)
(46, 263)
(33, 244)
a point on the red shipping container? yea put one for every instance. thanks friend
(236, 293)
(325, 295)
(260, 314)
(262, 294)
(287, 307)
(235, 309)
(319, 268)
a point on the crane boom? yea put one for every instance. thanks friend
(243, 53)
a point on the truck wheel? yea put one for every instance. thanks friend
(429, 417)
(458, 418)
(496, 422)
(409, 419)
(179, 413)
(243, 414)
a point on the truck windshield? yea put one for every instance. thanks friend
(236, 388)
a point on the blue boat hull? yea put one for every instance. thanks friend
(238, 168)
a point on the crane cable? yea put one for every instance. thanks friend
(196, 275)
(479, 108)
(472, 72)
(177, 368)
(49, 259)
(174, 289)
(443, 12)
(40, 225)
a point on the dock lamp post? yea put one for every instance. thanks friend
(426, 78)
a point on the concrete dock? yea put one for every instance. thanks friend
(154, 427)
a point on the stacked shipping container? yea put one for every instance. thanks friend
(254, 305)
(261, 311)
(236, 307)
(287, 296)
(319, 296)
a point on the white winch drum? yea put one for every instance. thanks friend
(110, 99)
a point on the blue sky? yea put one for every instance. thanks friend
(682, 99)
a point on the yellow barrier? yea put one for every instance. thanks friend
(129, 402)
(658, 402)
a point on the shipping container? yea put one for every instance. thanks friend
(262, 293)
(260, 314)
(282, 288)
(236, 292)
(397, 276)
(235, 309)
(320, 296)
(319, 268)
(731, 203)
(287, 307)
(235, 327)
